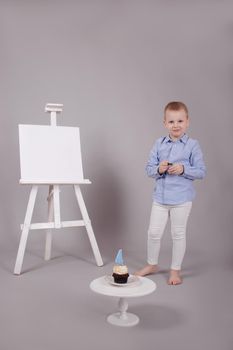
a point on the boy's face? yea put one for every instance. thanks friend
(176, 122)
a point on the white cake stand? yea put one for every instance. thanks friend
(142, 287)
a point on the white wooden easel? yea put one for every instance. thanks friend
(54, 219)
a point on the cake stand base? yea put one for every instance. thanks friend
(127, 321)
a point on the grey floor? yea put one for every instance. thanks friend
(50, 306)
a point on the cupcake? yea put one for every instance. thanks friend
(120, 271)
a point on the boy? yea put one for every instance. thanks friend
(174, 162)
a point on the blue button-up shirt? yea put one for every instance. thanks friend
(176, 189)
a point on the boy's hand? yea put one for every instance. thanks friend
(163, 167)
(175, 169)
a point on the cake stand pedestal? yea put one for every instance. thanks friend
(144, 286)
(123, 318)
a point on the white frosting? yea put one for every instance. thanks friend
(120, 269)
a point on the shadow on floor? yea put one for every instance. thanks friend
(157, 316)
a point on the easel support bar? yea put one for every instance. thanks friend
(51, 225)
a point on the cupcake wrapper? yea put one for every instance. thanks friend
(120, 278)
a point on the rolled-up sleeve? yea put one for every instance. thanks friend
(196, 168)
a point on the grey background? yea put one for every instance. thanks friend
(114, 65)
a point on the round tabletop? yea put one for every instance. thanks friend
(141, 287)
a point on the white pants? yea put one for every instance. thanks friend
(159, 215)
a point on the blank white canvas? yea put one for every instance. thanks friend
(50, 154)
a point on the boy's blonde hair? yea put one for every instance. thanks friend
(176, 106)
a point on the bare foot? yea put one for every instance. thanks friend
(174, 277)
(147, 270)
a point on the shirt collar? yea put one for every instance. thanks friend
(183, 139)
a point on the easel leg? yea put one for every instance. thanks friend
(88, 225)
(26, 226)
(56, 199)
(48, 241)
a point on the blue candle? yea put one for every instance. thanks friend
(119, 258)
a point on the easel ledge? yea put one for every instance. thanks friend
(75, 182)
